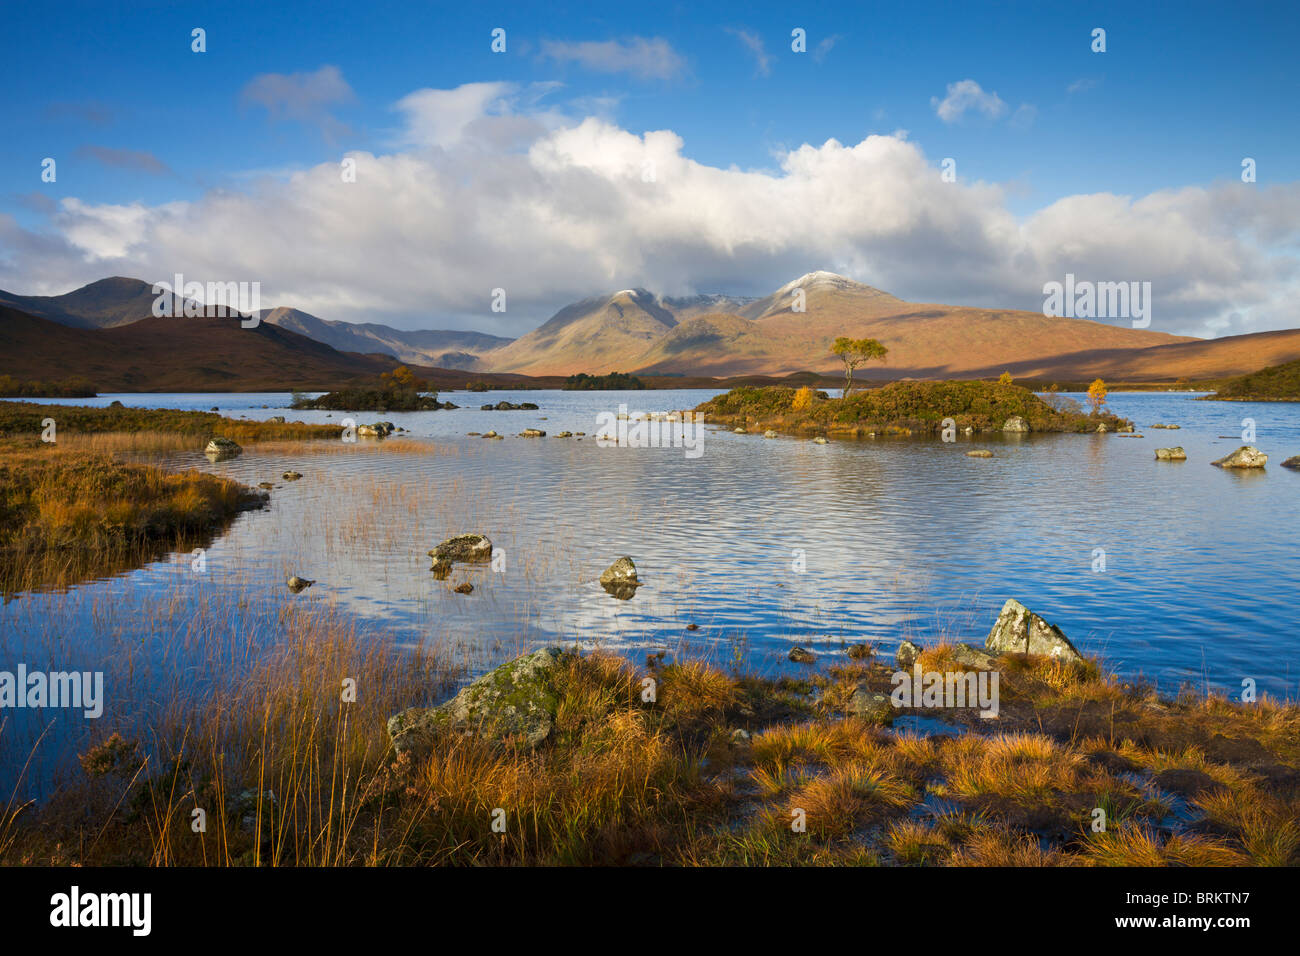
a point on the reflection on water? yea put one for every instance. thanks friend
(897, 538)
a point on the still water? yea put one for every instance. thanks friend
(1178, 573)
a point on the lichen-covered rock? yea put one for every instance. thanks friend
(968, 655)
(819, 440)
(471, 548)
(619, 579)
(622, 571)
(1171, 454)
(221, 448)
(1019, 630)
(1247, 456)
(871, 705)
(769, 434)
(906, 655)
(802, 655)
(1015, 424)
(516, 702)
(1102, 428)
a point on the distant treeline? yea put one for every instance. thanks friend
(11, 387)
(614, 380)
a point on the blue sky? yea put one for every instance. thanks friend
(136, 120)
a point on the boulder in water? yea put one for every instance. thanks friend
(1247, 456)
(472, 548)
(219, 449)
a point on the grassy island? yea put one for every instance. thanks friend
(395, 391)
(902, 408)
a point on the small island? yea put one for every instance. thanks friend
(908, 408)
(614, 381)
(396, 391)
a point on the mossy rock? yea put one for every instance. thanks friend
(516, 702)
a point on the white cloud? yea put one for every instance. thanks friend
(967, 95)
(754, 44)
(648, 59)
(495, 190)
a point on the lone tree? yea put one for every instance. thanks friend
(855, 352)
(402, 379)
(1096, 396)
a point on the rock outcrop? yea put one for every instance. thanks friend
(219, 449)
(619, 579)
(1247, 456)
(517, 703)
(471, 548)
(1019, 630)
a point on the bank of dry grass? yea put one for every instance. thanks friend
(289, 775)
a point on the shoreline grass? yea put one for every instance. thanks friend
(287, 774)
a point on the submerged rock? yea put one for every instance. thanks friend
(291, 475)
(297, 584)
(220, 449)
(1019, 630)
(802, 655)
(1247, 456)
(532, 433)
(472, 548)
(1015, 424)
(1171, 454)
(979, 453)
(1292, 462)
(517, 701)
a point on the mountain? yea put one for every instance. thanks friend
(441, 349)
(177, 354)
(720, 336)
(630, 331)
(105, 304)
(1192, 359)
(598, 335)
